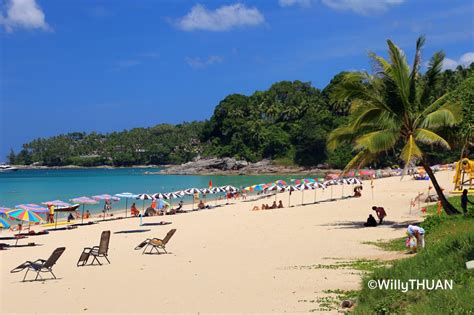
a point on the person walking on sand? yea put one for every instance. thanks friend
(380, 211)
(464, 201)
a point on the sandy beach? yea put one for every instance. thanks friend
(225, 260)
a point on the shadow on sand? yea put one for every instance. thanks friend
(360, 224)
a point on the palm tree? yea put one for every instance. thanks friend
(394, 108)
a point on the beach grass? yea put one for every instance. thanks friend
(449, 244)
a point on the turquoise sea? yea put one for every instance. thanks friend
(36, 186)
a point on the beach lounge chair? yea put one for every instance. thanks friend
(41, 265)
(96, 251)
(156, 243)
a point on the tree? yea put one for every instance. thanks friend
(395, 106)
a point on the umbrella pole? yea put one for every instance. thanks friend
(56, 222)
(82, 216)
(302, 197)
(126, 206)
(342, 194)
(331, 191)
(289, 199)
(315, 195)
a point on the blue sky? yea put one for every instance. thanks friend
(91, 65)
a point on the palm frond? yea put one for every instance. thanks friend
(410, 152)
(359, 160)
(447, 115)
(432, 75)
(415, 69)
(399, 72)
(339, 136)
(378, 141)
(429, 137)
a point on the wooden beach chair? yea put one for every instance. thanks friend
(156, 243)
(41, 265)
(96, 251)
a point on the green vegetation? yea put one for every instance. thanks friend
(290, 123)
(449, 244)
(397, 244)
(397, 109)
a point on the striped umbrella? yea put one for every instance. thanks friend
(229, 188)
(32, 207)
(144, 197)
(280, 182)
(304, 187)
(174, 195)
(331, 183)
(316, 186)
(24, 215)
(276, 189)
(192, 191)
(160, 196)
(84, 201)
(4, 224)
(127, 196)
(290, 189)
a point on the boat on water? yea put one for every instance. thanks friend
(7, 168)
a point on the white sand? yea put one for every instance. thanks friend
(228, 259)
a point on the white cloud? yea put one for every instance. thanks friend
(23, 14)
(198, 63)
(222, 19)
(289, 3)
(364, 7)
(465, 61)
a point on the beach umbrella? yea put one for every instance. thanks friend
(126, 196)
(144, 197)
(331, 183)
(276, 188)
(106, 197)
(24, 215)
(343, 181)
(4, 224)
(84, 201)
(174, 195)
(32, 207)
(303, 187)
(290, 189)
(56, 203)
(354, 181)
(192, 192)
(280, 182)
(4, 209)
(229, 188)
(160, 196)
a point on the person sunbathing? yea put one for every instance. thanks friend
(201, 205)
(274, 205)
(255, 208)
(280, 204)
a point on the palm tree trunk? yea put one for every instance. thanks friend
(448, 207)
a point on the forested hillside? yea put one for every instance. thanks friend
(288, 123)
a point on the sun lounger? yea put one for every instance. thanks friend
(41, 265)
(156, 243)
(96, 251)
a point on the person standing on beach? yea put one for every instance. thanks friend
(51, 213)
(380, 211)
(464, 201)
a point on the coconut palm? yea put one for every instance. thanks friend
(394, 108)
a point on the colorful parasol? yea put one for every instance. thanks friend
(84, 201)
(4, 224)
(32, 207)
(127, 196)
(24, 215)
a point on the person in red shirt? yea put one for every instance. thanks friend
(381, 214)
